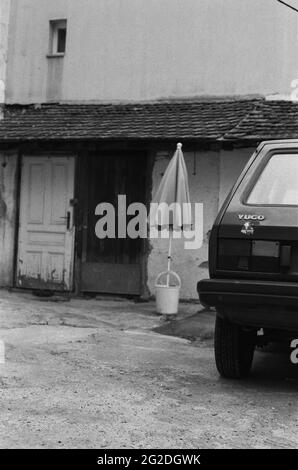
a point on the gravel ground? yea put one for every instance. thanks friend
(94, 374)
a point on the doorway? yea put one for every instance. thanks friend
(46, 228)
(113, 265)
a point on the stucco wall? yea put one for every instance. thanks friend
(231, 165)
(4, 20)
(150, 49)
(8, 185)
(211, 175)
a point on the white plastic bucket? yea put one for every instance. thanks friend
(167, 296)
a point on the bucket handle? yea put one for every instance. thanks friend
(168, 273)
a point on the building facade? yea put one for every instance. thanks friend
(4, 22)
(97, 95)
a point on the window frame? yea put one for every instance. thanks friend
(55, 25)
(258, 172)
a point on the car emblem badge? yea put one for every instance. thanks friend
(256, 217)
(247, 229)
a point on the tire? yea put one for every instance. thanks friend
(234, 349)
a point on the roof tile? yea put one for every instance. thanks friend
(161, 120)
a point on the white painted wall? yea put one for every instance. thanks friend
(8, 168)
(209, 184)
(4, 21)
(231, 165)
(151, 49)
(8, 203)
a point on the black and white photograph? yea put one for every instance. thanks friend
(148, 229)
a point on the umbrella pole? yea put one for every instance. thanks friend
(169, 259)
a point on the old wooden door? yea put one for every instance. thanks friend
(46, 232)
(113, 265)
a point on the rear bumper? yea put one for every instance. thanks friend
(253, 303)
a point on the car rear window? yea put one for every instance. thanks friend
(278, 182)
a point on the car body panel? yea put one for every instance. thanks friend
(253, 248)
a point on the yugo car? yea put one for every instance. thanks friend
(253, 259)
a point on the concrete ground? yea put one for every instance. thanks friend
(94, 374)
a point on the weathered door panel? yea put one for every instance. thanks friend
(46, 231)
(113, 265)
(112, 278)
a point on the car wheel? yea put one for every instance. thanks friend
(234, 349)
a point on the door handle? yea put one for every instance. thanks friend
(67, 218)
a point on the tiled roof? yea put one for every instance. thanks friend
(268, 120)
(206, 120)
(241, 120)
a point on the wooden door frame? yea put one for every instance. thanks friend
(146, 247)
(43, 153)
(81, 252)
(80, 155)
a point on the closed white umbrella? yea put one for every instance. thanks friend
(172, 193)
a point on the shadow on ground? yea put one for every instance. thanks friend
(199, 326)
(272, 367)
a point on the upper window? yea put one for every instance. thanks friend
(58, 31)
(278, 182)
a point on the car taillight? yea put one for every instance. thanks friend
(234, 254)
(265, 256)
(249, 255)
